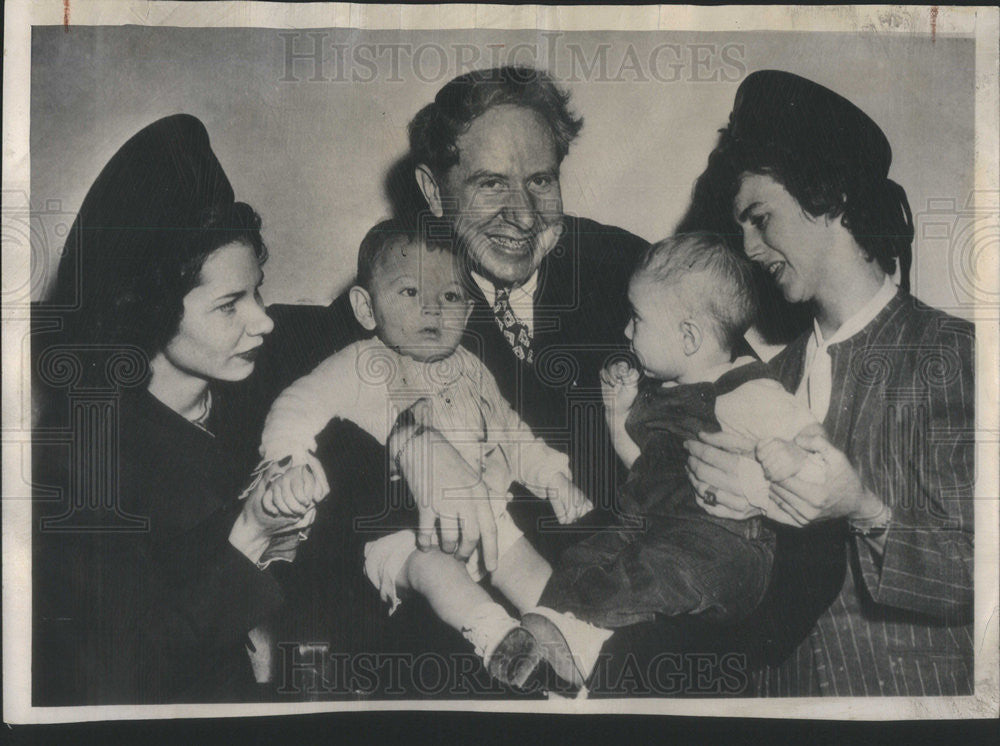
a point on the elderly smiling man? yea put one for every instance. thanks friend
(549, 309)
(549, 289)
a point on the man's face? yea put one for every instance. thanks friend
(504, 192)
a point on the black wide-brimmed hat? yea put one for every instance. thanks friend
(155, 192)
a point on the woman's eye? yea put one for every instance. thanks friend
(452, 297)
(409, 292)
(759, 221)
(228, 308)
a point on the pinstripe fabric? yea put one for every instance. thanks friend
(902, 411)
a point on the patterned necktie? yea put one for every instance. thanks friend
(515, 332)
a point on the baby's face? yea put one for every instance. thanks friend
(655, 328)
(418, 303)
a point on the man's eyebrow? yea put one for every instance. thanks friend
(483, 173)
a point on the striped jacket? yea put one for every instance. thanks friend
(902, 411)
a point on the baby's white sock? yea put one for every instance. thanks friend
(584, 639)
(487, 625)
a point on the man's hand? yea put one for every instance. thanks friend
(450, 494)
(568, 501)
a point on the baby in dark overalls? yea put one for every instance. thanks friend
(691, 301)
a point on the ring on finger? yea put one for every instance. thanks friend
(711, 498)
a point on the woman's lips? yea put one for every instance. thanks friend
(250, 355)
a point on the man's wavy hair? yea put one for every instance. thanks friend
(435, 130)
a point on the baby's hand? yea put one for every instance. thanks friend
(780, 459)
(291, 493)
(568, 501)
(619, 386)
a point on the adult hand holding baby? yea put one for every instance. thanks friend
(267, 512)
(714, 472)
(449, 493)
(840, 495)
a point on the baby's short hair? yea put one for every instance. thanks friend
(710, 279)
(383, 237)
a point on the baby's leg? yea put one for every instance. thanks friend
(509, 652)
(522, 572)
(445, 583)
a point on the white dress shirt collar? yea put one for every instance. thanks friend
(817, 380)
(522, 297)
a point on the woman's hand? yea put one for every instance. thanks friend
(257, 522)
(713, 468)
(840, 495)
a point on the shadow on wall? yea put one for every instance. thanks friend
(405, 198)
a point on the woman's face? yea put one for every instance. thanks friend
(792, 245)
(223, 323)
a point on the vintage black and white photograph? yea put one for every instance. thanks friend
(479, 358)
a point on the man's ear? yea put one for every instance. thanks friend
(361, 302)
(691, 336)
(429, 188)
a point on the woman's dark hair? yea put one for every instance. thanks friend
(150, 317)
(136, 297)
(435, 130)
(873, 208)
(830, 156)
(159, 207)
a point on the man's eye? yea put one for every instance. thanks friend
(452, 297)
(409, 292)
(491, 184)
(542, 181)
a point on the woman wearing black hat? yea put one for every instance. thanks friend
(147, 574)
(872, 590)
